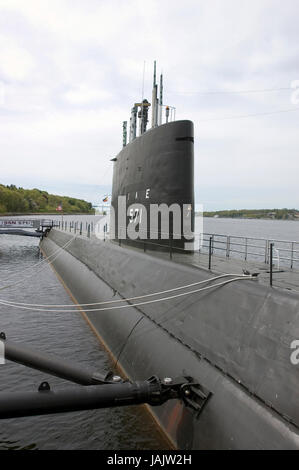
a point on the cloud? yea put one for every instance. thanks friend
(16, 62)
(70, 72)
(83, 94)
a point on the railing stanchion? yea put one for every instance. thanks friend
(227, 246)
(271, 263)
(210, 252)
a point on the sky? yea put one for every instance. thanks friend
(70, 71)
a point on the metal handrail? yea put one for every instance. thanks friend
(230, 244)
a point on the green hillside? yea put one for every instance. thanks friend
(19, 200)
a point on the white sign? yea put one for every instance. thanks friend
(16, 223)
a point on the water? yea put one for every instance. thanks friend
(68, 335)
(270, 229)
(284, 233)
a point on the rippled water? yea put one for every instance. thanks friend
(66, 335)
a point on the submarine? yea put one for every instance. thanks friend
(229, 334)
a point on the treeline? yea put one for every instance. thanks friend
(19, 200)
(285, 214)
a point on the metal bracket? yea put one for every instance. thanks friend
(195, 396)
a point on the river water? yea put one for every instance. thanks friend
(67, 336)
(32, 280)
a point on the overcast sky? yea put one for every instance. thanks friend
(70, 71)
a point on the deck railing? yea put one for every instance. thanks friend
(285, 252)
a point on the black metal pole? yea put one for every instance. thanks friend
(18, 404)
(271, 263)
(210, 252)
(50, 364)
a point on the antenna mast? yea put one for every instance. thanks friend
(161, 98)
(154, 99)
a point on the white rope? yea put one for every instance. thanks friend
(124, 300)
(130, 305)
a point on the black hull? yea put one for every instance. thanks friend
(234, 341)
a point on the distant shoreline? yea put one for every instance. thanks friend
(20, 201)
(247, 218)
(265, 214)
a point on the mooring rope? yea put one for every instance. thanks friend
(163, 299)
(127, 299)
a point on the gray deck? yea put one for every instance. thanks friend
(285, 277)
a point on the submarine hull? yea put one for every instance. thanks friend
(232, 340)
